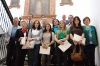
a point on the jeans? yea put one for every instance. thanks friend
(33, 55)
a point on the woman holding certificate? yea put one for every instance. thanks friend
(91, 41)
(47, 41)
(77, 29)
(62, 34)
(20, 53)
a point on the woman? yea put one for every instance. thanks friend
(20, 53)
(34, 34)
(47, 41)
(91, 41)
(77, 29)
(55, 25)
(62, 35)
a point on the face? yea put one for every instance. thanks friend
(76, 21)
(47, 27)
(23, 24)
(64, 17)
(36, 24)
(55, 22)
(61, 24)
(30, 17)
(70, 19)
(86, 22)
(15, 22)
(44, 22)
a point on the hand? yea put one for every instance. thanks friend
(27, 45)
(6, 41)
(43, 45)
(20, 38)
(58, 41)
(29, 39)
(75, 42)
(80, 42)
(34, 38)
(61, 42)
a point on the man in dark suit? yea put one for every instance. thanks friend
(29, 22)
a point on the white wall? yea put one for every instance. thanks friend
(80, 8)
(95, 19)
(17, 12)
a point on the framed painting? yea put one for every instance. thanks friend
(39, 7)
(66, 2)
(14, 4)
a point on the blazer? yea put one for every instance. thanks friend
(29, 26)
(19, 34)
(8, 34)
(39, 36)
(94, 34)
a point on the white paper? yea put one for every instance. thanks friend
(24, 47)
(78, 38)
(65, 46)
(44, 51)
(23, 41)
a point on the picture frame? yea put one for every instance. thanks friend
(14, 4)
(66, 2)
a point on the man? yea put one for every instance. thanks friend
(20, 18)
(70, 19)
(10, 40)
(29, 22)
(64, 19)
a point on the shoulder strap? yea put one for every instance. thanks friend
(51, 37)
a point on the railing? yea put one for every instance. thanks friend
(3, 50)
(5, 19)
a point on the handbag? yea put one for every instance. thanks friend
(31, 44)
(77, 56)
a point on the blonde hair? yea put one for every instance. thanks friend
(60, 29)
(23, 21)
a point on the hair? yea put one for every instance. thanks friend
(46, 29)
(33, 26)
(31, 15)
(53, 22)
(23, 21)
(86, 18)
(76, 17)
(71, 16)
(60, 29)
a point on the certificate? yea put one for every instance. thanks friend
(65, 46)
(23, 41)
(44, 51)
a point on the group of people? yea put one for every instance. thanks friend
(46, 36)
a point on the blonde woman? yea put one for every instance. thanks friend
(62, 35)
(20, 53)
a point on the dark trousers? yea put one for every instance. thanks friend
(90, 54)
(61, 57)
(70, 62)
(20, 56)
(39, 60)
(11, 54)
(33, 55)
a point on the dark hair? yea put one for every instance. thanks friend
(33, 26)
(45, 28)
(53, 22)
(71, 16)
(76, 17)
